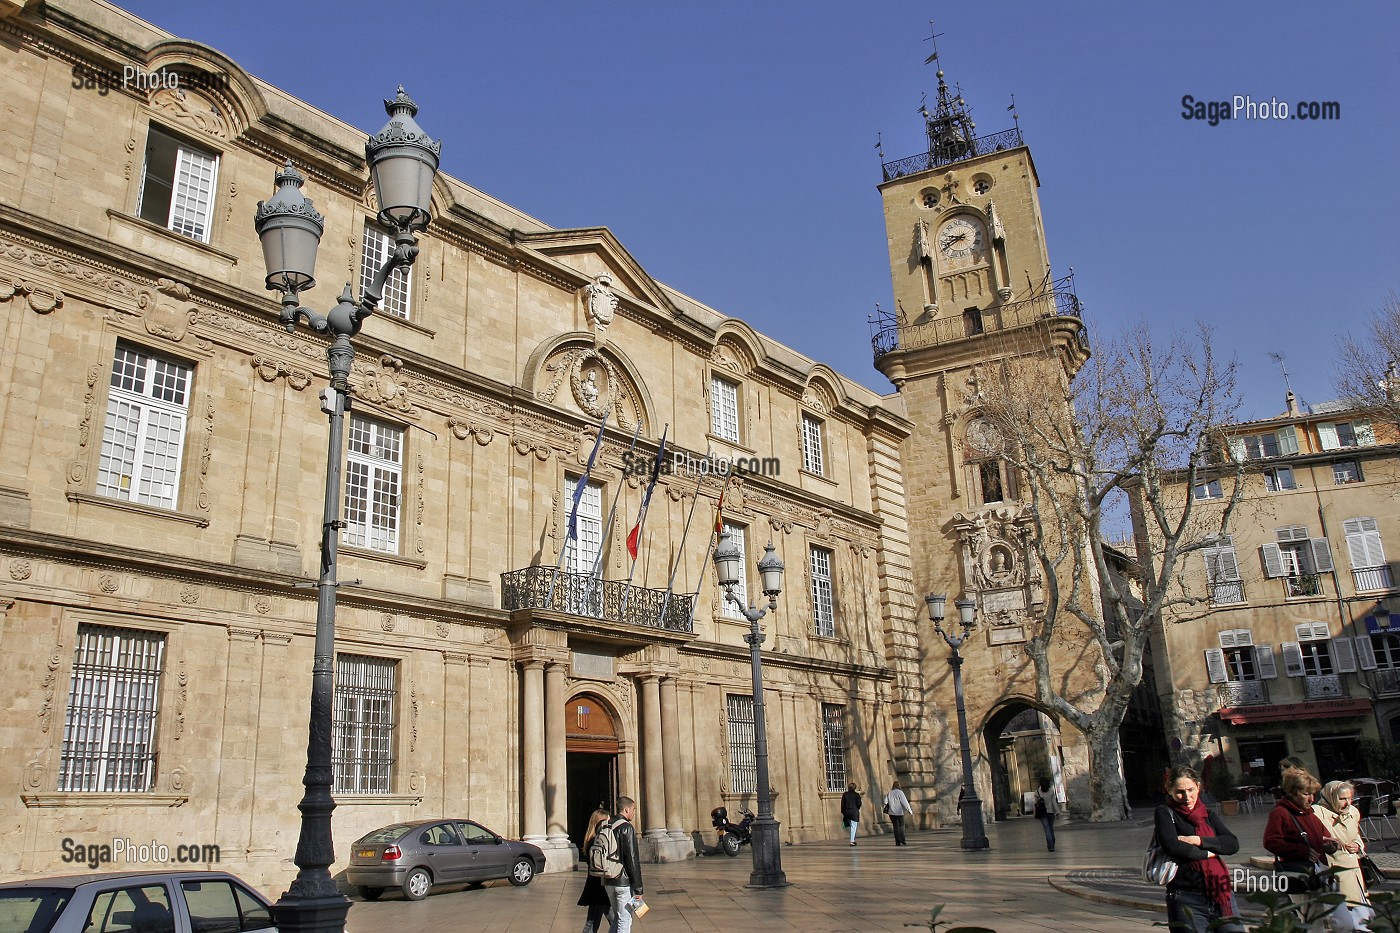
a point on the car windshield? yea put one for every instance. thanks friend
(33, 910)
(387, 834)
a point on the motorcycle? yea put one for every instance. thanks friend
(732, 836)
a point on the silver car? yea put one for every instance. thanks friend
(134, 902)
(416, 856)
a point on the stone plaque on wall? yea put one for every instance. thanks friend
(1002, 600)
(593, 664)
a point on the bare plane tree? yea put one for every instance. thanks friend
(1136, 430)
(1367, 366)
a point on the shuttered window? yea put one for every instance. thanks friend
(1364, 543)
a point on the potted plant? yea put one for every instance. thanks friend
(1222, 785)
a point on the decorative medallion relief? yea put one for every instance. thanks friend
(40, 298)
(596, 384)
(600, 304)
(191, 110)
(384, 385)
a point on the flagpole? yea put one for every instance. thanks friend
(612, 513)
(572, 532)
(680, 552)
(641, 518)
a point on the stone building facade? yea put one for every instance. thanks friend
(162, 478)
(1291, 650)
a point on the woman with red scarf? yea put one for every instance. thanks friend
(1195, 839)
(1299, 841)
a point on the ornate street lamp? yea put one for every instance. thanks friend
(974, 836)
(402, 160)
(767, 850)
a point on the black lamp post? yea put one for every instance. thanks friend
(974, 836)
(402, 160)
(767, 849)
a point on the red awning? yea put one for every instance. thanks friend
(1320, 709)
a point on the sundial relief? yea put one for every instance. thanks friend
(995, 561)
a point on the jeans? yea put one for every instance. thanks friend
(621, 894)
(854, 825)
(1048, 822)
(1202, 910)
(898, 822)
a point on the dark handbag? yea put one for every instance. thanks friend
(1298, 877)
(887, 808)
(1370, 873)
(1040, 810)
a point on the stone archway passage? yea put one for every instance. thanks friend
(1019, 753)
(591, 743)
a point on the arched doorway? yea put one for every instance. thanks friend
(1023, 745)
(590, 739)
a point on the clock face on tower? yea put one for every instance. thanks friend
(960, 238)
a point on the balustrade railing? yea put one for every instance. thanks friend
(948, 154)
(583, 594)
(1372, 578)
(1323, 687)
(1059, 300)
(1243, 693)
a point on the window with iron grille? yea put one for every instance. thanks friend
(109, 731)
(177, 185)
(811, 445)
(363, 737)
(743, 766)
(373, 478)
(144, 435)
(724, 409)
(834, 745)
(822, 615)
(379, 246)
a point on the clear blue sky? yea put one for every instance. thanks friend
(730, 144)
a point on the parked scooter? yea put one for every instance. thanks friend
(732, 835)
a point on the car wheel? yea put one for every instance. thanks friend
(522, 872)
(417, 884)
(730, 844)
(369, 893)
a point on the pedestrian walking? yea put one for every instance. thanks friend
(1301, 844)
(897, 806)
(594, 896)
(1047, 805)
(850, 810)
(1195, 838)
(1343, 823)
(628, 885)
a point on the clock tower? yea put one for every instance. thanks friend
(973, 289)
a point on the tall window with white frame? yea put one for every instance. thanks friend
(834, 745)
(398, 290)
(724, 409)
(1223, 573)
(737, 534)
(823, 616)
(1317, 658)
(812, 459)
(109, 730)
(363, 740)
(1240, 666)
(743, 764)
(1298, 559)
(143, 439)
(581, 595)
(1368, 567)
(373, 484)
(178, 182)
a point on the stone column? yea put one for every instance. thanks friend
(653, 804)
(556, 766)
(532, 775)
(671, 749)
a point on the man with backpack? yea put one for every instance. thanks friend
(613, 855)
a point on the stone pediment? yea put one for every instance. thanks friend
(594, 251)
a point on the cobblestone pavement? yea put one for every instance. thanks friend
(1090, 883)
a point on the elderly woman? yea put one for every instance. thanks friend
(1342, 821)
(1299, 840)
(1195, 839)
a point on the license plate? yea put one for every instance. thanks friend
(366, 853)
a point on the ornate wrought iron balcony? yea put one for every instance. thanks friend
(1323, 687)
(996, 142)
(1243, 693)
(1388, 681)
(582, 594)
(1059, 300)
(1227, 593)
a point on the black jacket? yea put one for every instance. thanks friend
(1171, 824)
(850, 806)
(631, 875)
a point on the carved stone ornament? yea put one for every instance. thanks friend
(462, 430)
(21, 570)
(191, 109)
(40, 298)
(49, 686)
(270, 370)
(599, 304)
(995, 549)
(382, 385)
(595, 383)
